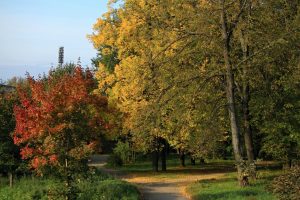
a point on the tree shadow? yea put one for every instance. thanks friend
(203, 169)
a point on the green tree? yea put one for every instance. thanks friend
(277, 80)
(9, 152)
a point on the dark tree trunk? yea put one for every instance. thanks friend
(248, 138)
(246, 94)
(193, 161)
(163, 160)
(230, 95)
(182, 158)
(164, 155)
(202, 161)
(247, 126)
(155, 157)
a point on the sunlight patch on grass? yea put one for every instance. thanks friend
(228, 188)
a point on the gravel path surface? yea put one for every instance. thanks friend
(159, 191)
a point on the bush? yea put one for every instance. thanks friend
(114, 161)
(123, 150)
(287, 186)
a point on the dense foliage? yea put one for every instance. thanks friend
(219, 71)
(58, 124)
(287, 186)
(200, 78)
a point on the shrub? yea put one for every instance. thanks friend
(287, 186)
(114, 160)
(123, 150)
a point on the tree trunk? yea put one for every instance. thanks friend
(248, 134)
(163, 160)
(247, 126)
(245, 101)
(246, 95)
(230, 96)
(11, 179)
(155, 158)
(193, 161)
(182, 158)
(164, 156)
(202, 161)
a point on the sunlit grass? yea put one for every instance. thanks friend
(228, 188)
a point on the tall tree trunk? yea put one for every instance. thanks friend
(247, 126)
(163, 155)
(246, 94)
(248, 135)
(230, 97)
(248, 130)
(155, 157)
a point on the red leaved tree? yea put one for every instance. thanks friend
(59, 122)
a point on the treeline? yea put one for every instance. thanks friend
(194, 74)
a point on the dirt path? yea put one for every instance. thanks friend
(156, 186)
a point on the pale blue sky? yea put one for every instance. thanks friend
(31, 31)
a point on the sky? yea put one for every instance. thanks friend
(31, 32)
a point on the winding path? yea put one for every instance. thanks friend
(157, 187)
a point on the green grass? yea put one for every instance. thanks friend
(96, 187)
(227, 188)
(26, 189)
(174, 170)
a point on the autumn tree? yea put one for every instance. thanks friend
(58, 123)
(158, 79)
(178, 70)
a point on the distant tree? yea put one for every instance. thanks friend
(61, 70)
(15, 81)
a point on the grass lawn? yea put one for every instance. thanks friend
(227, 188)
(174, 170)
(97, 187)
